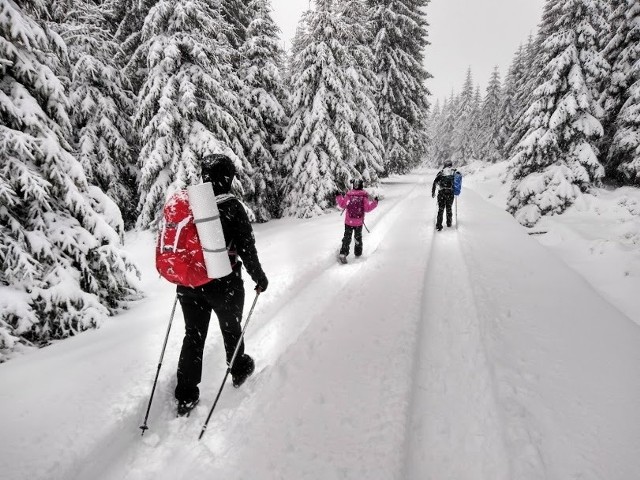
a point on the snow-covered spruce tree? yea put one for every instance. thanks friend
(626, 142)
(525, 79)
(187, 106)
(238, 15)
(492, 140)
(477, 128)
(101, 105)
(557, 158)
(611, 98)
(400, 30)
(61, 267)
(621, 97)
(463, 135)
(328, 137)
(445, 128)
(264, 100)
(357, 36)
(511, 110)
(130, 16)
(433, 121)
(298, 44)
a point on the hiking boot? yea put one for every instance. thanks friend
(342, 258)
(184, 407)
(244, 372)
(439, 227)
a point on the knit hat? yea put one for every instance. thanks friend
(220, 171)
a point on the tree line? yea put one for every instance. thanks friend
(566, 117)
(107, 107)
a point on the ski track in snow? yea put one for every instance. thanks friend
(455, 430)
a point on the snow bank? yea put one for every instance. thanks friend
(598, 236)
(566, 362)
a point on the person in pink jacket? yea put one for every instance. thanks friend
(355, 203)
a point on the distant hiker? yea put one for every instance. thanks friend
(445, 181)
(225, 296)
(355, 203)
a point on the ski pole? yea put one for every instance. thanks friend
(365, 226)
(456, 212)
(233, 359)
(144, 427)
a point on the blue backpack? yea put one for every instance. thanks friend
(457, 183)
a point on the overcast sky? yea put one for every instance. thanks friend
(463, 33)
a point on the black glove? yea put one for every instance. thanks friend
(433, 195)
(376, 198)
(262, 284)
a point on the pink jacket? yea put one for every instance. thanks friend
(343, 202)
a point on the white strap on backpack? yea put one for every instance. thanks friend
(179, 228)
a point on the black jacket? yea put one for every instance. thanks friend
(444, 179)
(238, 235)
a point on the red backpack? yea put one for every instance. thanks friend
(179, 256)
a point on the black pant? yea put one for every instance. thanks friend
(346, 240)
(445, 199)
(225, 297)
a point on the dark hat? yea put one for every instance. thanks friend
(448, 163)
(358, 184)
(220, 171)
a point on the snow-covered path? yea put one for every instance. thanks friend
(455, 429)
(464, 354)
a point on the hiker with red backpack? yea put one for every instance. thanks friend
(355, 203)
(224, 296)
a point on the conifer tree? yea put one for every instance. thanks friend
(558, 158)
(621, 97)
(298, 44)
(62, 269)
(526, 78)
(187, 105)
(492, 141)
(477, 128)
(101, 105)
(511, 110)
(400, 30)
(357, 37)
(264, 100)
(433, 122)
(237, 14)
(328, 138)
(463, 136)
(130, 16)
(446, 130)
(612, 94)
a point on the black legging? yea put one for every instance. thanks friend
(445, 199)
(226, 298)
(346, 240)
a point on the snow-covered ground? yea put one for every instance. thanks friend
(599, 236)
(474, 353)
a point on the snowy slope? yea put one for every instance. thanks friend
(466, 354)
